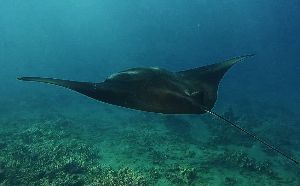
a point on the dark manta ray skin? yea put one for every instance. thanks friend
(157, 90)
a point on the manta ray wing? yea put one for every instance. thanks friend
(205, 80)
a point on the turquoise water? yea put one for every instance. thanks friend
(52, 136)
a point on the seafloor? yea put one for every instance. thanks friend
(99, 144)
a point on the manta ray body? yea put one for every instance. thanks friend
(158, 90)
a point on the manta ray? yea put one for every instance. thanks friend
(152, 89)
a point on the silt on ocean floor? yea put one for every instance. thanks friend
(143, 149)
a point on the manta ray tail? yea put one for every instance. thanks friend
(252, 135)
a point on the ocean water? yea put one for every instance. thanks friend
(52, 136)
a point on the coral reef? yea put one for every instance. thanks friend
(60, 151)
(122, 177)
(176, 174)
(45, 155)
(242, 161)
(182, 175)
